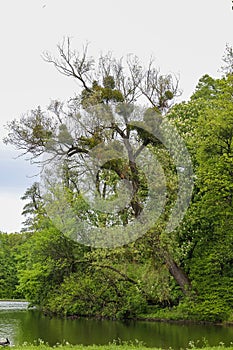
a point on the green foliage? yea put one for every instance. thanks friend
(9, 249)
(206, 233)
(115, 345)
(101, 95)
(97, 293)
(46, 257)
(34, 129)
(66, 278)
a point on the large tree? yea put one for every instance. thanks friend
(104, 111)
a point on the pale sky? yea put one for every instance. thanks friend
(186, 37)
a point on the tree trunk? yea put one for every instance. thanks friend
(180, 277)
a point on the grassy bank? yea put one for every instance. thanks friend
(107, 347)
(188, 312)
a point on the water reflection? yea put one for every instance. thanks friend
(21, 325)
(9, 320)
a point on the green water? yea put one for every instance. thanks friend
(21, 325)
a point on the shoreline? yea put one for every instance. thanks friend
(111, 346)
(14, 300)
(133, 319)
(146, 319)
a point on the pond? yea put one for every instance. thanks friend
(21, 325)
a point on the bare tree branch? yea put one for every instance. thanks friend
(71, 63)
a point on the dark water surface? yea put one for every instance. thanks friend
(21, 325)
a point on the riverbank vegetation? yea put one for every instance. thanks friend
(110, 347)
(183, 274)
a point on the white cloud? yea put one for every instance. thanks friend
(10, 210)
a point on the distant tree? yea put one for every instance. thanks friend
(228, 60)
(33, 209)
(46, 257)
(9, 249)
